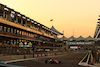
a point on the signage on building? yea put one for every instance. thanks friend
(73, 47)
(25, 45)
(80, 43)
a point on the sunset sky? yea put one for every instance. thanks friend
(80, 15)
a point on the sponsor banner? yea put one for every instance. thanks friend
(73, 47)
(20, 45)
(25, 45)
(80, 43)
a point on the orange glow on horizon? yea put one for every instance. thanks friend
(80, 15)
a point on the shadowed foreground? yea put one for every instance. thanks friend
(68, 60)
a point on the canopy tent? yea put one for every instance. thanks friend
(80, 38)
(56, 30)
(63, 38)
(89, 38)
(71, 38)
(68, 39)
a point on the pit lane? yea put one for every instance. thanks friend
(71, 59)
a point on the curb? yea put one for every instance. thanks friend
(8, 65)
(17, 60)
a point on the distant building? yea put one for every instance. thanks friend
(79, 43)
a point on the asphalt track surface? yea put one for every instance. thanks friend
(70, 59)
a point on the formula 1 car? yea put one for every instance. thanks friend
(52, 61)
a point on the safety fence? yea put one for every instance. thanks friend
(47, 54)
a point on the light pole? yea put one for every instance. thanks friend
(73, 32)
(63, 39)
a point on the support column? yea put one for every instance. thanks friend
(30, 24)
(4, 14)
(21, 32)
(26, 22)
(39, 43)
(17, 41)
(16, 19)
(43, 49)
(21, 21)
(9, 16)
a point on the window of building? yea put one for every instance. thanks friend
(4, 41)
(13, 18)
(5, 28)
(17, 31)
(39, 29)
(28, 34)
(19, 20)
(1, 12)
(0, 28)
(6, 15)
(11, 42)
(35, 26)
(8, 42)
(14, 31)
(23, 22)
(45, 31)
(28, 24)
(15, 42)
(25, 33)
(8, 30)
(31, 35)
(20, 32)
(35, 36)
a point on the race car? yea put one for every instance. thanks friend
(52, 61)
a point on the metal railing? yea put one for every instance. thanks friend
(88, 60)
